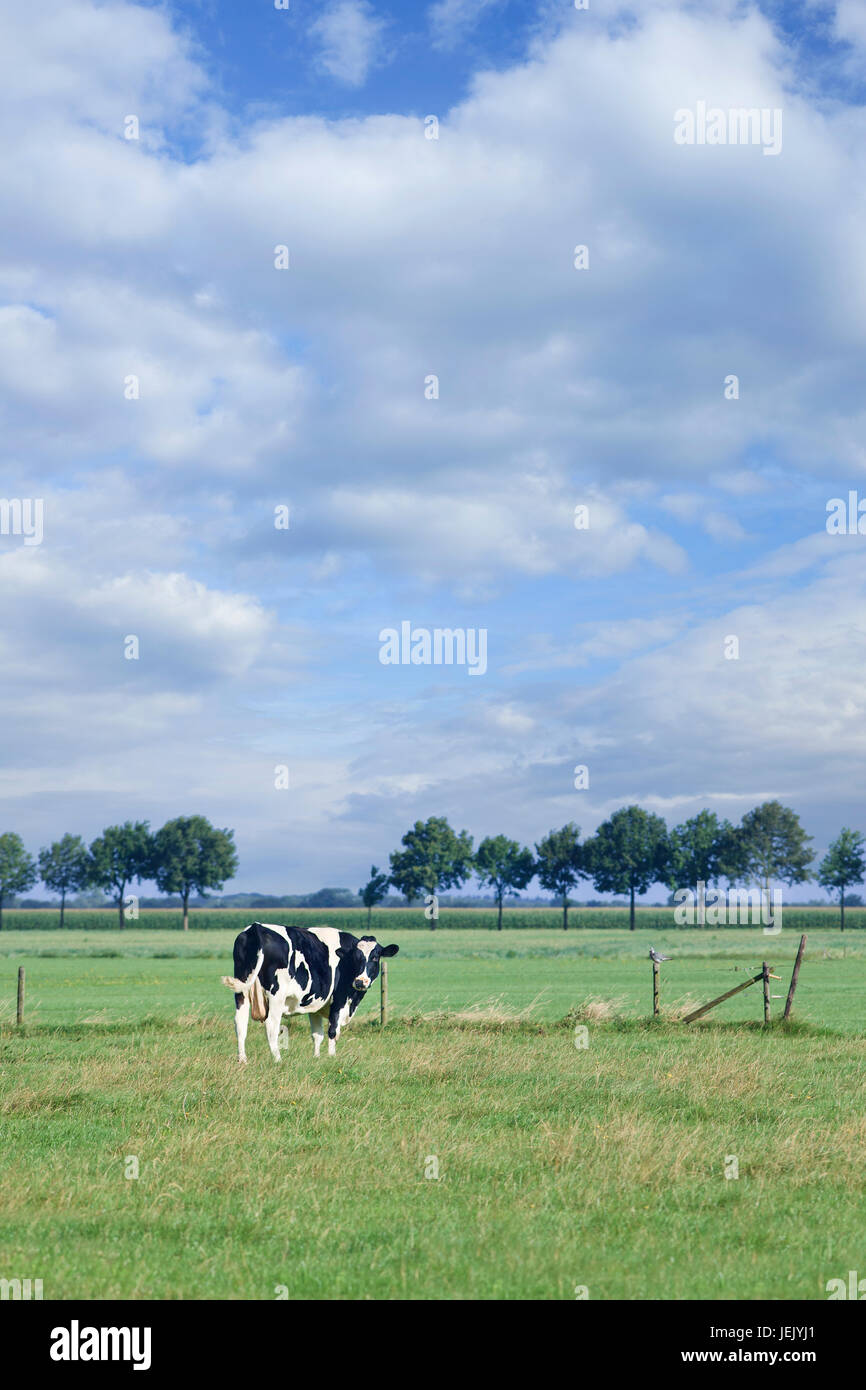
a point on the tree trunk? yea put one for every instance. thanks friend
(120, 907)
(631, 909)
(565, 912)
(62, 906)
(1, 911)
(842, 908)
(369, 914)
(186, 910)
(499, 920)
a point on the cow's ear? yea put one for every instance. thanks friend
(389, 950)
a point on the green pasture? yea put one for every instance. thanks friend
(474, 1148)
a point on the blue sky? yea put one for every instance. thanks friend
(417, 54)
(410, 257)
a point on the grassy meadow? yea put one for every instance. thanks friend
(559, 1166)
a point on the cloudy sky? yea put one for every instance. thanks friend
(156, 259)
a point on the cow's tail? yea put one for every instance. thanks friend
(251, 988)
(253, 991)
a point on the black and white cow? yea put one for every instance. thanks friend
(318, 971)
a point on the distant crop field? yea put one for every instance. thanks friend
(354, 919)
(501, 1158)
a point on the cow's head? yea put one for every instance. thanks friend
(364, 961)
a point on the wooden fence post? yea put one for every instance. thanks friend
(795, 977)
(764, 974)
(19, 1014)
(655, 989)
(729, 994)
(383, 999)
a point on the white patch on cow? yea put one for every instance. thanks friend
(296, 992)
(272, 1022)
(330, 937)
(272, 926)
(287, 987)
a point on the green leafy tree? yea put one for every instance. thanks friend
(190, 853)
(628, 853)
(433, 858)
(64, 867)
(374, 890)
(17, 868)
(732, 853)
(696, 850)
(843, 864)
(699, 851)
(772, 844)
(121, 854)
(560, 863)
(502, 865)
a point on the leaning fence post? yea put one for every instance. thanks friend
(795, 977)
(765, 976)
(655, 989)
(729, 994)
(19, 1013)
(383, 999)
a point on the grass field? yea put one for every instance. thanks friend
(559, 1166)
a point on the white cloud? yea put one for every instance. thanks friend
(411, 257)
(349, 34)
(850, 22)
(475, 531)
(511, 720)
(451, 20)
(695, 508)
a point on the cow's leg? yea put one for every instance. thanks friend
(333, 1032)
(317, 1028)
(272, 1024)
(242, 1019)
(335, 1023)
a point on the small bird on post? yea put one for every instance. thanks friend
(656, 955)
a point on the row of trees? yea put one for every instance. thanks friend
(187, 854)
(627, 854)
